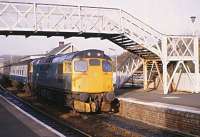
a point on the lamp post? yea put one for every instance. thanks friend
(196, 53)
(111, 49)
(193, 18)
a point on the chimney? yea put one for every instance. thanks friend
(61, 43)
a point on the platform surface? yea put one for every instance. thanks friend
(12, 127)
(176, 98)
(14, 123)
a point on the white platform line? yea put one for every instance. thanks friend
(162, 105)
(33, 118)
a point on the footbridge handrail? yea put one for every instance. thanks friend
(31, 11)
(158, 33)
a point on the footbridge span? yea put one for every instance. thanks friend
(162, 56)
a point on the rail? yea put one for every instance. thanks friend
(63, 128)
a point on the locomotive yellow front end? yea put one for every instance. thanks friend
(92, 83)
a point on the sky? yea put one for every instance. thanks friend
(167, 16)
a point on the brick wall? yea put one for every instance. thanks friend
(185, 122)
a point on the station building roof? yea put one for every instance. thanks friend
(60, 50)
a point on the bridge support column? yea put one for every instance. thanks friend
(165, 63)
(152, 74)
(165, 87)
(196, 62)
(145, 71)
(159, 75)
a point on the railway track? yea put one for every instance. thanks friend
(98, 125)
(61, 127)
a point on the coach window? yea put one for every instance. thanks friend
(107, 67)
(80, 66)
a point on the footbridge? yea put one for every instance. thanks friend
(162, 56)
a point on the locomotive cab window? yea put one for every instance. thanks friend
(80, 66)
(94, 62)
(107, 67)
(67, 67)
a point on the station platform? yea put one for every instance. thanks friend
(16, 124)
(175, 98)
(177, 111)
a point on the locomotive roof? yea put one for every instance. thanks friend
(70, 56)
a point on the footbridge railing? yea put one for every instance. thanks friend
(131, 64)
(37, 18)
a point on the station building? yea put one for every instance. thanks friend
(61, 49)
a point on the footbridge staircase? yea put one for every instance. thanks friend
(147, 44)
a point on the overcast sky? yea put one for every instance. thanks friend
(167, 16)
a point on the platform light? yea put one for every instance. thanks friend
(193, 18)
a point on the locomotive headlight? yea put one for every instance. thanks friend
(98, 54)
(89, 54)
(110, 96)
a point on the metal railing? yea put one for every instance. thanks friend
(36, 17)
(127, 69)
